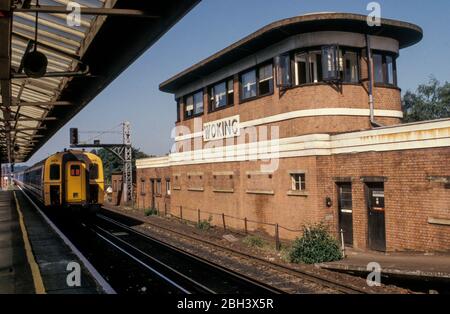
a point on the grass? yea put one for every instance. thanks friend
(254, 241)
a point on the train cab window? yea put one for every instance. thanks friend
(93, 171)
(54, 172)
(75, 170)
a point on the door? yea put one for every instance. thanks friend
(376, 218)
(345, 212)
(75, 182)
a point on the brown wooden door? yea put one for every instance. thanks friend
(345, 211)
(376, 216)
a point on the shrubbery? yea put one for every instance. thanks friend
(315, 246)
(150, 212)
(204, 224)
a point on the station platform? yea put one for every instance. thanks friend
(426, 266)
(33, 257)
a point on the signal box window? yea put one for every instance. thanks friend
(298, 181)
(54, 172)
(75, 171)
(93, 171)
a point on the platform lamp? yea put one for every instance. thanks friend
(34, 62)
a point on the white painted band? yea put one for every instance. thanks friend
(306, 113)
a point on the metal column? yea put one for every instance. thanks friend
(127, 165)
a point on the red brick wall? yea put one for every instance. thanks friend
(411, 198)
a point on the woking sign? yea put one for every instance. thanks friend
(219, 129)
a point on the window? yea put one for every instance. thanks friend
(142, 186)
(193, 105)
(378, 68)
(331, 63)
(93, 171)
(257, 82)
(198, 103)
(308, 68)
(283, 70)
(178, 109)
(75, 170)
(301, 69)
(384, 68)
(351, 72)
(189, 107)
(248, 84)
(54, 172)
(298, 182)
(390, 70)
(265, 83)
(222, 95)
(158, 187)
(168, 190)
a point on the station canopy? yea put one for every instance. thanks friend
(36, 101)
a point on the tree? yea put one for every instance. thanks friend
(112, 163)
(430, 101)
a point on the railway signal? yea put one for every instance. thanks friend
(123, 151)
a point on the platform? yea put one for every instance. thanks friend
(33, 257)
(427, 266)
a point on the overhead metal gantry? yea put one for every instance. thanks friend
(80, 60)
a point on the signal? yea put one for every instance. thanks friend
(73, 136)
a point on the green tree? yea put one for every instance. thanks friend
(112, 163)
(430, 101)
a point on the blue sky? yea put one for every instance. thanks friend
(215, 24)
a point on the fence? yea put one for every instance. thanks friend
(223, 220)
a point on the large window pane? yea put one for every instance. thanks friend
(351, 67)
(189, 107)
(230, 94)
(330, 63)
(198, 103)
(390, 70)
(218, 95)
(283, 65)
(378, 68)
(301, 72)
(248, 84)
(265, 79)
(315, 67)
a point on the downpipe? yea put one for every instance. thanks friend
(373, 123)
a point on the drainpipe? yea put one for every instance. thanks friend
(371, 101)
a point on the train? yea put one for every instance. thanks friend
(68, 179)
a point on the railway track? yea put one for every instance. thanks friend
(133, 262)
(314, 278)
(185, 271)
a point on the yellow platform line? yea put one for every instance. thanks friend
(36, 273)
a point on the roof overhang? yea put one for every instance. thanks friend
(407, 34)
(91, 56)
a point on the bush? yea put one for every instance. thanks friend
(204, 224)
(150, 212)
(315, 246)
(253, 241)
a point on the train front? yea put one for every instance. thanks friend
(80, 184)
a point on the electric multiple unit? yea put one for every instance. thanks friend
(66, 179)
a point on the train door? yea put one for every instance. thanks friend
(345, 211)
(75, 181)
(376, 219)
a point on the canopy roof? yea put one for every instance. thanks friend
(82, 60)
(406, 33)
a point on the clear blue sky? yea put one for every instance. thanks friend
(215, 24)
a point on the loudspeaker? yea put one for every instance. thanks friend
(35, 64)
